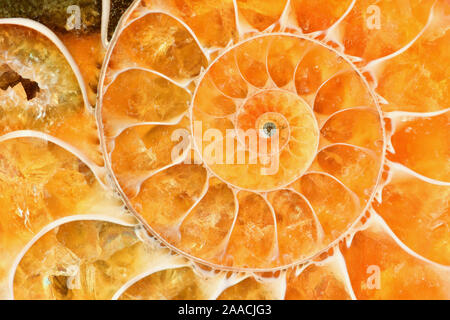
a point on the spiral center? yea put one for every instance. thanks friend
(259, 137)
(269, 129)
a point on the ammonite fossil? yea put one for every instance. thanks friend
(247, 149)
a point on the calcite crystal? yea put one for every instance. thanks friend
(248, 149)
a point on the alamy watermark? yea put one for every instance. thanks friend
(373, 20)
(74, 20)
(374, 279)
(231, 146)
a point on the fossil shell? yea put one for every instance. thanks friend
(237, 150)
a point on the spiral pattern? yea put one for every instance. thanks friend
(290, 149)
(244, 199)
